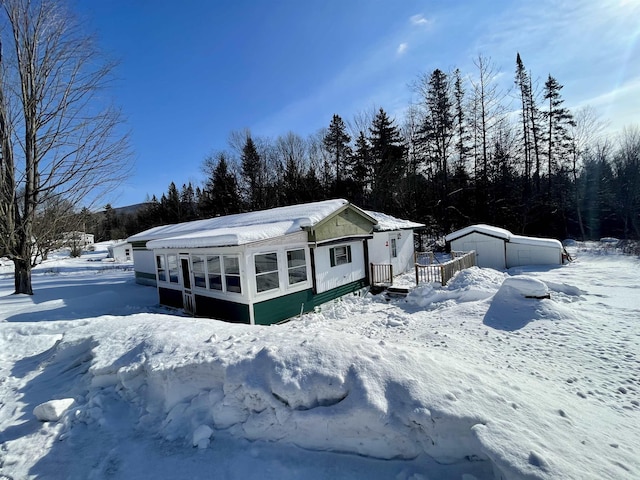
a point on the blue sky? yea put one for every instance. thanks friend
(193, 71)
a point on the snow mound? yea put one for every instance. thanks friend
(469, 285)
(53, 410)
(520, 300)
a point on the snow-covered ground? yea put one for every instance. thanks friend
(470, 381)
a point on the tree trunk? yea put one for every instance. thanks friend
(22, 276)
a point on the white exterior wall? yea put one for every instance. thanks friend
(519, 254)
(119, 252)
(490, 251)
(380, 250)
(283, 272)
(328, 277)
(144, 262)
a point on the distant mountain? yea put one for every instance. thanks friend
(130, 209)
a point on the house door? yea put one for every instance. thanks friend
(187, 293)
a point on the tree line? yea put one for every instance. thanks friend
(466, 151)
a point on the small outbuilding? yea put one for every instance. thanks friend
(120, 251)
(500, 249)
(260, 267)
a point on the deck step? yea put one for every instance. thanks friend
(397, 292)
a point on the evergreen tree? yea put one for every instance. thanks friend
(462, 135)
(222, 189)
(360, 171)
(387, 154)
(336, 141)
(439, 127)
(188, 205)
(253, 175)
(171, 205)
(558, 121)
(522, 82)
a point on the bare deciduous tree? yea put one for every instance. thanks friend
(58, 139)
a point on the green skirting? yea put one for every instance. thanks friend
(281, 308)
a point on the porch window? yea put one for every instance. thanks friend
(214, 272)
(340, 255)
(394, 249)
(267, 272)
(172, 262)
(297, 265)
(197, 267)
(161, 266)
(232, 274)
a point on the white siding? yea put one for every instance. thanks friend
(523, 254)
(144, 262)
(490, 251)
(380, 250)
(328, 277)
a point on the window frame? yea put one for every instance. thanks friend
(174, 273)
(337, 258)
(227, 276)
(208, 259)
(199, 275)
(302, 266)
(394, 247)
(161, 268)
(273, 273)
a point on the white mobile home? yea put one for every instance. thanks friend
(499, 249)
(258, 267)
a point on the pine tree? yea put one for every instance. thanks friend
(253, 175)
(438, 126)
(188, 205)
(223, 189)
(360, 168)
(387, 154)
(336, 141)
(559, 119)
(171, 205)
(462, 135)
(522, 82)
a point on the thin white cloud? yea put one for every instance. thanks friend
(419, 20)
(402, 48)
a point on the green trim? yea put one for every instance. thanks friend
(150, 276)
(139, 245)
(222, 309)
(281, 308)
(144, 278)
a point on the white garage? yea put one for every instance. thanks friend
(499, 249)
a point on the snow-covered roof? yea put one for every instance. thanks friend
(241, 228)
(539, 242)
(480, 228)
(387, 222)
(505, 235)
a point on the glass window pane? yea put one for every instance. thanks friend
(215, 274)
(197, 267)
(233, 283)
(172, 262)
(267, 281)
(232, 274)
(296, 258)
(160, 261)
(231, 265)
(297, 275)
(266, 263)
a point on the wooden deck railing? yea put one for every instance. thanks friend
(444, 271)
(381, 274)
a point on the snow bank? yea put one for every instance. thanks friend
(473, 380)
(53, 410)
